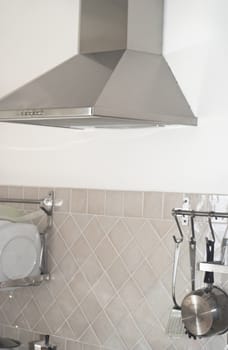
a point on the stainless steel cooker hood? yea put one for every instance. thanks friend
(119, 79)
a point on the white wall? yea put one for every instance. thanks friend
(191, 159)
(34, 37)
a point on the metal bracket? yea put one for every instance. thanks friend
(49, 203)
(215, 266)
(185, 218)
(25, 282)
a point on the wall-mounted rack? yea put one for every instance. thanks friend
(194, 213)
(215, 266)
(46, 205)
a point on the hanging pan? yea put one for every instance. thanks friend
(205, 311)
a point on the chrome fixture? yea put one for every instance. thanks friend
(120, 79)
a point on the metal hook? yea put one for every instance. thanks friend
(178, 240)
(192, 228)
(210, 225)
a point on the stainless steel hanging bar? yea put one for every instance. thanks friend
(211, 214)
(19, 200)
(47, 204)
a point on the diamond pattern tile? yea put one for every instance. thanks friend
(116, 310)
(54, 317)
(93, 233)
(102, 327)
(118, 273)
(131, 295)
(11, 310)
(91, 307)
(78, 323)
(160, 259)
(57, 248)
(147, 238)
(144, 317)
(32, 314)
(107, 223)
(70, 231)
(120, 236)
(145, 277)
(128, 332)
(92, 269)
(68, 266)
(110, 284)
(132, 256)
(42, 327)
(79, 286)
(65, 331)
(42, 296)
(106, 253)
(115, 342)
(82, 220)
(66, 302)
(81, 250)
(104, 290)
(57, 282)
(90, 337)
(22, 297)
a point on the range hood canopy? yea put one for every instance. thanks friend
(119, 79)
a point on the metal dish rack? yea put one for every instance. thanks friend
(46, 204)
(216, 266)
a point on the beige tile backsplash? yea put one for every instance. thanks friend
(110, 257)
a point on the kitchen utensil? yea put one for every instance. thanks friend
(175, 327)
(224, 255)
(205, 311)
(192, 254)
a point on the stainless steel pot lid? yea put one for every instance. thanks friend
(7, 343)
(196, 315)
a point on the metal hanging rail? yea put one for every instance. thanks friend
(47, 204)
(215, 266)
(194, 213)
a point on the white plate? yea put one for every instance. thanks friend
(18, 258)
(20, 249)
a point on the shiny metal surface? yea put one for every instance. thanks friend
(175, 327)
(192, 254)
(174, 275)
(25, 282)
(196, 315)
(211, 214)
(205, 312)
(103, 25)
(75, 84)
(89, 122)
(216, 267)
(136, 85)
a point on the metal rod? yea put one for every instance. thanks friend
(178, 240)
(47, 204)
(211, 214)
(17, 200)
